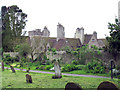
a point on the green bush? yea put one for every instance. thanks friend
(95, 67)
(47, 67)
(68, 68)
(75, 62)
(8, 59)
(80, 67)
(42, 67)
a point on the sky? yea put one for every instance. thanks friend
(92, 15)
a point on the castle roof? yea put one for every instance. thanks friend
(61, 43)
(87, 38)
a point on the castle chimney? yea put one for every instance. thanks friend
(80, 34)
(60, 32)
(95, 34)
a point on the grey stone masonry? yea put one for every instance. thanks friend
(60, 32)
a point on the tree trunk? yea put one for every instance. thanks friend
(2, 66)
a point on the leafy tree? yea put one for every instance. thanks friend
(24, 49)
(14, 21)
(80, 53)
(114, 39)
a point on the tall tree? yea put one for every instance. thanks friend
(114, 39)
(14, 21)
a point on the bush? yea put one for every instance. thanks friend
(75, 62)
(42, 67)
(48, 67)
(68, 68)
(8, 59)
(95, 67)
(80, 67)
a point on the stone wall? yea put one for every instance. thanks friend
(62, 55)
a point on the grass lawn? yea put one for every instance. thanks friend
(18, 80)
(71, 72)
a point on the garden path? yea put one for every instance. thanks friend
(94, 76)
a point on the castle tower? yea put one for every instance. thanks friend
(45, 32)
(80, 34)
(60, 32)
(119, 11)
(95, 34)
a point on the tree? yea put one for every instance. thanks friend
(80, 53)
(24, 49)
(114, 39)
(14, 21)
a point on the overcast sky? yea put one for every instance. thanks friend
(92, 15)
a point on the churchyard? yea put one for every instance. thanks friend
(18, 80)
(27, 61)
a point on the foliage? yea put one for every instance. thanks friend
(67, 49)
(75, 62)
(80, 67)
(95, 67)
(24, 50)
(17, 48)
(80, 53)
(8, 59)
(45, 67)
(13, 22)
(68, 68)
(114, 39)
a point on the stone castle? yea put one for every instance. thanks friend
(60, 41)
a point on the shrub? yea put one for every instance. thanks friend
(42, 67)
(75, 62)
(8, 59)
(68, 68)
(48, 67)
(80, 67)
(95, 67)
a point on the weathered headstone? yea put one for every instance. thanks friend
(57, 70)
(28, 78)
(72, 86)
(106, 85)
(13, 70)
(2, 66)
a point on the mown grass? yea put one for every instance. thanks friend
(71, 72)
(18, 80)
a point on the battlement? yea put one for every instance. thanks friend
(38, 32)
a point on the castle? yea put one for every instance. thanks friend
(60, 41)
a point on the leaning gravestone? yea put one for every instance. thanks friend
(13, 70)
(57, 71)
(72, 86)
(28, 78)
(106, 85)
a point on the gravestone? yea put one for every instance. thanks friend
(2, 66)
(13, 70)
(106, 85)
(72, 86)
(57, 70)
(28, 78)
